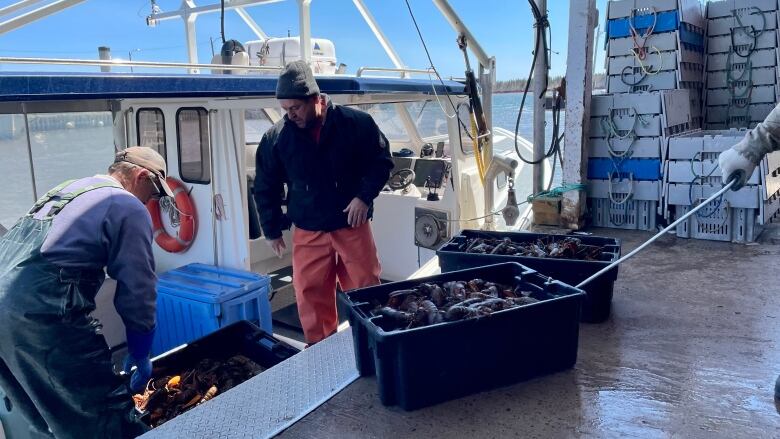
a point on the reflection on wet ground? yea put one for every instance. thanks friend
(691, 350)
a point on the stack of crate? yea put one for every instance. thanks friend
(628, 134)
(656, 45)
(742, 61)
(692, 175)
(655, 68)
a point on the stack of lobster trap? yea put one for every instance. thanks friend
(742, 60)
(648, 156)
(655, 74)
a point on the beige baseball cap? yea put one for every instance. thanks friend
(150, 160)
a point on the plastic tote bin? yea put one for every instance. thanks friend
(597, 304)
(240, 338)
(197, 299)
(423, 366)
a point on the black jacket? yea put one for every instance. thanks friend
(352, 159)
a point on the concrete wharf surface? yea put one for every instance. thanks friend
(690, 350)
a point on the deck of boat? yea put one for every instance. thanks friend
(691, 350)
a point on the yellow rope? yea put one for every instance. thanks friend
(477, 152)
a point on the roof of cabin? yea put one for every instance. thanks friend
(68, 86)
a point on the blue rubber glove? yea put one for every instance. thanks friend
(138, 347)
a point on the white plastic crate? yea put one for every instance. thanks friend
(701, 144)
(723, 25)
(736, 117)
(655, 61)
(758, 94)
(725, 8)
(758, 76)
(641, 147)
(630, 214)
(689, 10)
(637, 190)
(636, 80)
(719, 223)
(706, 171)
(685, 194)
(742, 41)
(664, 42)
(759, 58)
(673, 105)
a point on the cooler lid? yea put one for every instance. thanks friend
(210, 284)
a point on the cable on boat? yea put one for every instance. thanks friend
(541, 24)
(222, 20)
(436, 72)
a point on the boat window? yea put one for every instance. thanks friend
(429, 118)
(150, 126)
(256, 123)
(15, 168)
(69, 145)
(192, 131)
(387, 118)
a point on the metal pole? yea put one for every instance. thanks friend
(251, 23)
(304, 7)
(130, 57)
(539, 83)
(208, 9)
(35, 15)
(104, 53)
(380, 36)
(189, 33)
(16, 6)
(460, 28)
(29, 151)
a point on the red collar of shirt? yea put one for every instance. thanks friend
(315, 130)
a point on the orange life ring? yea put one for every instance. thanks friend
(187, 220)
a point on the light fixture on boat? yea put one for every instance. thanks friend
(151, 21)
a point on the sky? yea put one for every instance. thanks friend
(502, 27)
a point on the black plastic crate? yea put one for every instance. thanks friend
(431, 364)
(240, 338)
(598, 303)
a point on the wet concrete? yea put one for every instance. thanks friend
(691, 350)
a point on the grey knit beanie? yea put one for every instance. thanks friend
(296, 81)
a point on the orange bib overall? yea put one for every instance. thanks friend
(320, 259)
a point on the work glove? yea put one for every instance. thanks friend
(734, 165)
(139, 345)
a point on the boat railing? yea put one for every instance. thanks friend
(402, 71)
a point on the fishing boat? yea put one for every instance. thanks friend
(682, 343)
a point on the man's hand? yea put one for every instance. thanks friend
(357, 212)
(735, 165)
(141, 375)
(278, 246)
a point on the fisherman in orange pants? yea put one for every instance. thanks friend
(334, 161)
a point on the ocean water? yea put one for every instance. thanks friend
(505, 109)
(67, 146)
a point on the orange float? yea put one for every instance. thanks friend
(187, 220)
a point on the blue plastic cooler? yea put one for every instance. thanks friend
(197, 299)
